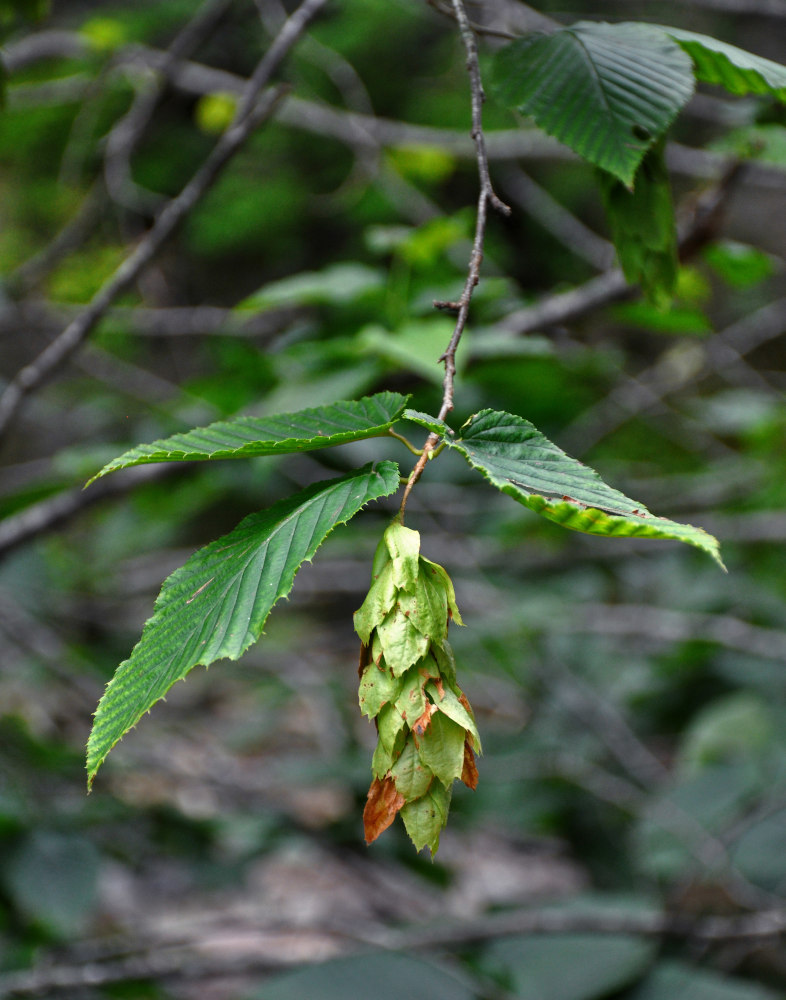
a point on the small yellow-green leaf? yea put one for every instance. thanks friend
(411, 700)
(389, 726)
(379, 601)
(403, 545)
(442, 748)
(425, 817)
(402, 644)
(377, 688)
(440, 574)
(412, 777)
(449, 703)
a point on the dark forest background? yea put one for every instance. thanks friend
(628, 835)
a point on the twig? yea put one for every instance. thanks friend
(724, 356)
(47, 514)
(174, 321)
(75, 232)
(667, 625)
(556, 219)
(251, 112)
(349, 126)
(127, 131)
(764, 8)
(274, 950)
(487, 197)
(601, 716)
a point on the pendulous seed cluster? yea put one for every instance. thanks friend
(427, 737)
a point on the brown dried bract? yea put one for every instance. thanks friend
(381, 807)
(365, 659)
(469, 772)
(421, 724)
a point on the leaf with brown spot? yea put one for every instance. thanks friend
(381, 807)
(420, 725)
(469, 772)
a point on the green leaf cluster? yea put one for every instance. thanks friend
(427, 737)
(216, 605)
(610, 93)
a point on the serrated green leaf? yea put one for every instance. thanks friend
(281, 434)
(428, 666)
(425, 817)
(441, 574)
(379, 601)
(412, 777)
(429, 422)
(446, 662)
(377, 688)
(426, 609)
(411, 700)
(643, 227)
(515, 457)
(381, 760)
(389, 725)
(442, 748)
(402, 644)
(403, 545)
(216, 605)
(740, 72)
(607, 91)
(381, 559)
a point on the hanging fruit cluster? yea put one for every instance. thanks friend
(427, 737)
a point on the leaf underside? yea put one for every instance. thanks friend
(516, 458)
(740, 72)
(643, 227)
(215, 606)
(607, 91)
(284, 433)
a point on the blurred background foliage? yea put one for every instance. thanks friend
(631, 698)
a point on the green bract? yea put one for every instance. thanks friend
(427, 733)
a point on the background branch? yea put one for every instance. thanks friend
(250, 114)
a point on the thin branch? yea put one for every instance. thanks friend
(174, 321)
(41, 517)
(487, 197)
(75, 232)
(349, 126)
(254, 109)
(601, 716)
(556, 219)
(764, 8)
(667, 625)
(270, 950)
(644, 393)
(127, 131)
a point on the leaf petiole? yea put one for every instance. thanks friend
(405, 442)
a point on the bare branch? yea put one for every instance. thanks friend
(763, 8)
(486, 198)
(251, 112)
(41, 517)
(556, 219)
(723, 355)
(667, 625)
(76, 231)
(205, 954)
(175, 321)
(127, 131)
